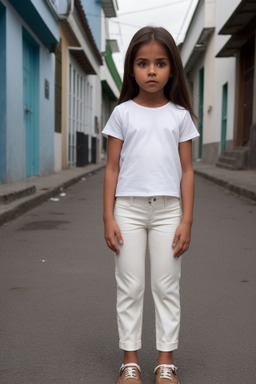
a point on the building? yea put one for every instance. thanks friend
(28, 31)
(82, 91)
(218, 54)
(58, 84)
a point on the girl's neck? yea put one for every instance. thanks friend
(150, 100)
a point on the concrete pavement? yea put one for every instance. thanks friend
(58, 294)
(242, 183)
(17, 198)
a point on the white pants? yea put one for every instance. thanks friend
(152, 222)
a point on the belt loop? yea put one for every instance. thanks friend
(131, 199)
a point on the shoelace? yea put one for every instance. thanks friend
(130, 373)
(166, 373)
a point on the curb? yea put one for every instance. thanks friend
(34, 201)
(225, 184)
(7, 198)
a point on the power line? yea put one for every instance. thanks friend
(123, 23)
(184, 20)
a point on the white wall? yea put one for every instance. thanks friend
(210, 135)
(217, 71)
(15, 135)
(224, 9)
(193, 33)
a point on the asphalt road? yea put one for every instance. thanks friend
(57, 319)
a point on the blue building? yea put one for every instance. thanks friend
(28, 31)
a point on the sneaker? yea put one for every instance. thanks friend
(130, 374)
(166, 374)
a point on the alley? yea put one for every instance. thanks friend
(57, 319)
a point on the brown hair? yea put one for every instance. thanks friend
(176, 90)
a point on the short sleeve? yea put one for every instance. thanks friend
(188, 129)
(114, 126)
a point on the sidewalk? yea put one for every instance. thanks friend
(242, 183)
(18, 198)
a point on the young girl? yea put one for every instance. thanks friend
(149, 169)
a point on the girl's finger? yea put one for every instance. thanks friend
(175, 240)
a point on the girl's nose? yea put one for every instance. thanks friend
(151, 70)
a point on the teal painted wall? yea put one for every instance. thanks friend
(2, 93)
(14, 161)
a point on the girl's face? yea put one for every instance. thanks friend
(152, 68)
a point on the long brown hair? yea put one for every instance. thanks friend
(176, 90)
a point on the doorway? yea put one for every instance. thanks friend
(245, 92)
(224, 117)
(31, 103)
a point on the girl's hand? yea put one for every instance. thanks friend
(181, 239)
(112, 232)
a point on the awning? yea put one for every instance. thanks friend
(199, 48)
(109, 8)
(241, 25)
(29, 13)
(81, 58)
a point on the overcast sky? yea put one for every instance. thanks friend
(174, 15)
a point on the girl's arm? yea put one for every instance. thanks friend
(183, 232)
(112, 230)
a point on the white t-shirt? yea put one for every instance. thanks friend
(149, 160)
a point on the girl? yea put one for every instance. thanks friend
(149, 169)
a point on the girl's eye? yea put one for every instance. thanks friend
(161, 64)
(142, 64)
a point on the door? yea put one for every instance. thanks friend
(224, 117)
(31, 103)
(248, 77)
(201, 110)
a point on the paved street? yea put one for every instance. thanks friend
(57, 319)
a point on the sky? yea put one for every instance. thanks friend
(174, 15)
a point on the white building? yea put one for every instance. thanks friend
(218, 54)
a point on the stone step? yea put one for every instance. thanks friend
(231, 167)
(237, 152)
(235, 159)
(227, 159)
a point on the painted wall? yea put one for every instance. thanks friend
(225, 67)
(92, 9)
(210, 131)
(218, 71)
(193, 32)
(224, 9)
(15, 154)
(2, 93)
(43, 10)
(15, 130)
(46, 112)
